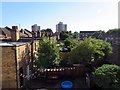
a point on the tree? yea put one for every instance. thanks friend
(46, 33)
(43, 30)
(64, 35)
(90, 49)
(98, 34)
(107, 76)
(70, 34)
(76, 34)
(116, 30)
(48, 54)
(68, 42)
(49, 30)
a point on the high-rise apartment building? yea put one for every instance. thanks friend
(61, 27)
(36, 30)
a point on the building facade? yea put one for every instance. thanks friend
(17, 59)
(61, 27)
(36, 30)
(113, 38)
(16, 64)
(86, 34)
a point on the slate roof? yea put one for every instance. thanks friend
(88, 31)
(6, 31)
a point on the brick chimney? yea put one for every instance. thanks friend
(15, 34)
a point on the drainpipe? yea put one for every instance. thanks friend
(32, 51)
(14, 48)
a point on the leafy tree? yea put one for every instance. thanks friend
(68, 42)
(43, 30)
(107, 76)
(76, 34)
(49, 30)
(46, 30)
(98, 35)
(70, 34)
(64, 35)
(48, 54)
(116, 30)
(90, 49)
(46, 33)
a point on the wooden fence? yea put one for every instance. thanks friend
(62, 71)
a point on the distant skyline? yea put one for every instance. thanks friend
(78, 16)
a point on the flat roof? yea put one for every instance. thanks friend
(12, 43)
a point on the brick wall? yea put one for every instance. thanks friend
(8, 68)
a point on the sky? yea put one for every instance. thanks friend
(79, 16)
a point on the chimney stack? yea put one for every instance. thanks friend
(15, 34)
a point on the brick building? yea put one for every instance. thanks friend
(17, 58)
(86, 34)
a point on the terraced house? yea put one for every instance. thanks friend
(18, 48)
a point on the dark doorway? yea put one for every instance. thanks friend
(21, 76)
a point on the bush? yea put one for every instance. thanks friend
(107, 76)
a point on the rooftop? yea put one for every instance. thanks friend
(88, 31)
(12, 43)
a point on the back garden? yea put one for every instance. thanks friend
(82, 62)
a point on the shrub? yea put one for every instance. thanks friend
(107, 76)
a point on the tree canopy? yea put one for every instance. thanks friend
(69, 42)
(76, 34)
(64, 35)
(47, 30)
(90, 49)
(116, 30)
(98, 34)
(48, 54)
(107, 76)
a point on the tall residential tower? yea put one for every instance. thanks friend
(61, 27)
(36, 30)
